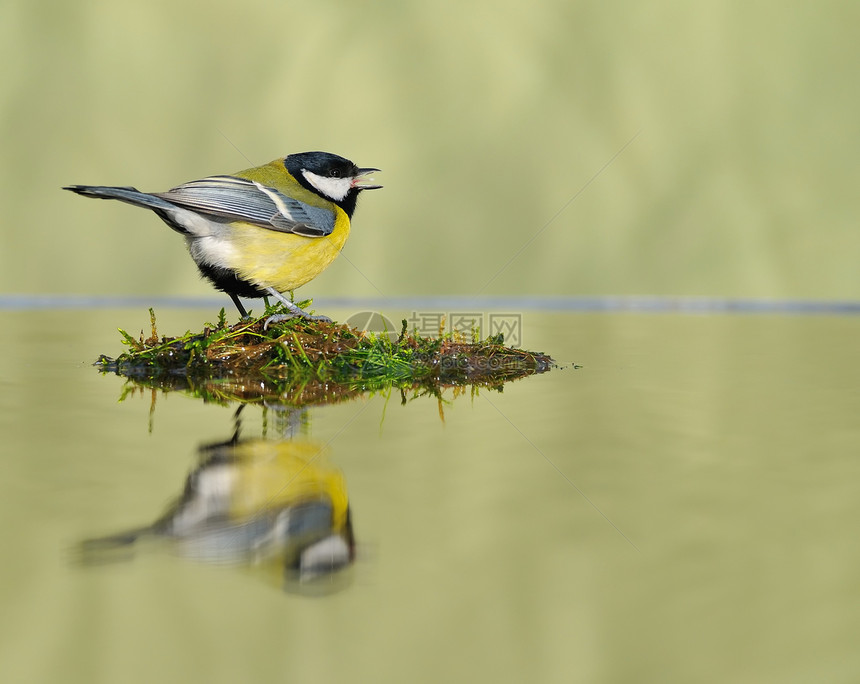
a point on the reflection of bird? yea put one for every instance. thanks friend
(273, 503)
(261, 231)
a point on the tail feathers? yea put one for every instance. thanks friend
(127, 194)
(117, 547)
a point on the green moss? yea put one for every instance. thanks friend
(302, 362)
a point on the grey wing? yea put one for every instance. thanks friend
(237, 199)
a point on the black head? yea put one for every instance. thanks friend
(330, 176)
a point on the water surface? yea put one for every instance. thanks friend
(682, 507)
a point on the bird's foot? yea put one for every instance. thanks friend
(318, 317)
(279, 318)
(294, 312)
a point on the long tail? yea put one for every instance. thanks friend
(181, 220)
(116, 547)
(129, 195)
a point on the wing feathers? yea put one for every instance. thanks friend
(236, 199)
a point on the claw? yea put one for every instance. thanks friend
(294, 311)
(277, 318)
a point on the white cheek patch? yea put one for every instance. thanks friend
(333, 188)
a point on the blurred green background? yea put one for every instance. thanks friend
(487, 118)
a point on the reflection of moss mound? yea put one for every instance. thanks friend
(301, 362)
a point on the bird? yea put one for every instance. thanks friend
(280, 505)
(262, 231)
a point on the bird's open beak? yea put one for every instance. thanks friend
(359, 181)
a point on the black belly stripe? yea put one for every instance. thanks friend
(227, 281)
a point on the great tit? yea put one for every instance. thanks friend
(280, 505)
(262, 231)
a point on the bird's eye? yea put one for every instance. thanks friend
(334, 173)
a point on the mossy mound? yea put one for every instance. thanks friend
(303, 362)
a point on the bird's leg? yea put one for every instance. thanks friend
(293, 309)
(235, 298)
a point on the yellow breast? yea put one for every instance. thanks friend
(271, 475)
(269, 258)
